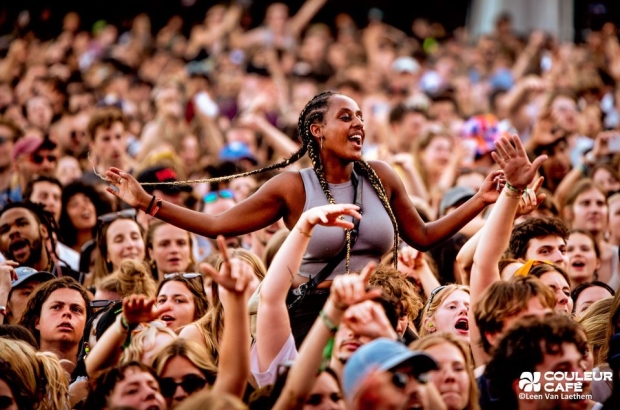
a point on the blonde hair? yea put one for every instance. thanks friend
(594, 323)
(41, 381)
(131, 278)
(430, 308)
(211, 325)
(142, 341)
(189, 349)
(446, 337)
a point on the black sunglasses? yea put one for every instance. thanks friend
(102, 304)
(38, 159)
(190, 383)
(433, 293)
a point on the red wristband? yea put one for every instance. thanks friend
(155, 209)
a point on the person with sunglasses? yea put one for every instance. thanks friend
(384, 374)
(119, 237)
(33, 156)
(183, 367)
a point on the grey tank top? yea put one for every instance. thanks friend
(376, 233)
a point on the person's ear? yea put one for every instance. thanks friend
(36, 323)
(429, 325)
(315, 130)
(492, 338)
(43, 231)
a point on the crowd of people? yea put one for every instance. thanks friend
(309, 215)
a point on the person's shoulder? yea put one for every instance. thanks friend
(384, 171)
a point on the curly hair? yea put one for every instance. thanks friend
(67, 230)
(525, 346)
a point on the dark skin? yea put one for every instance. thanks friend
(284, 196)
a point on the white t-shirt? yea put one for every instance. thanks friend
(287, 353)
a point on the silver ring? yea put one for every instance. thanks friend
(120, 181)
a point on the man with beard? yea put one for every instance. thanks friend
(26, 237)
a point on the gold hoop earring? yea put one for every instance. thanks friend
(321, 143)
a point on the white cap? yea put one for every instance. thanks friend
(405, 65)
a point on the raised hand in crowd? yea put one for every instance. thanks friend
(7, 276)
(512, 158)
(369, 319)
(234, 275)
(413, 264)
(141, 309)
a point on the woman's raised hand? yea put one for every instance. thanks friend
(140, 309)
(511, 156)
(329, 215)
(234, 274)
(127, 188)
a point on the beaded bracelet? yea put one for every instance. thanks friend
(514, 189)
(329, 324)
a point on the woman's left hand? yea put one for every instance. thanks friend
(492, 186)
(511, 156)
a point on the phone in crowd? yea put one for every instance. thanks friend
(614, 143)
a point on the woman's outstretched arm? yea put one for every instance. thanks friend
(426, 236)
(265, 207)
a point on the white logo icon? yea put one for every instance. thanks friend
(530, 382)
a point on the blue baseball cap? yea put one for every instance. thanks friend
(382, 354)
(235, 151)
(25, 273)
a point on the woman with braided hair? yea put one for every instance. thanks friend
(332, 130)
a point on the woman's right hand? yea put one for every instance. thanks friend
(127, 188)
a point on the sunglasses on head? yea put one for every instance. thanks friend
(112, 216)
(102, 304)
(433, 293)
(214, 195)
(38, 159)
(190, 383)
(190, 276)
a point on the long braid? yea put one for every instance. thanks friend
(379, 188)
(313, 113)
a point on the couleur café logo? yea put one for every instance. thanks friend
(531, 383)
